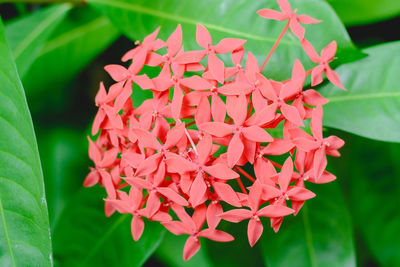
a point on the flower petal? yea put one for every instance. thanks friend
(235, 150)
(218, 109)
(203, 37)
(176, 227)
(221, 171)
(334, 78)
(172, 195)
(291, 114)
(203, 112)
(307, 19)
(174, 42)
(137, 227)
(254, 231)
(216, 67)
(320, 162)
(192, 246)
(299, 193)
(228, 45)
(286, 174)
(313, 98)
(213, 210)
(117, 72)
(236, 215)
(256, 134)
(226, 193)
(198, 190)
(216, 235)
(329, 51)
(273, 211)
(218, 129)
(174, 135)
(272, 14)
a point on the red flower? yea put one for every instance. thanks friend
(287, 13)
(192, 226)
(181, 150)
(327, 55)
(255, 227)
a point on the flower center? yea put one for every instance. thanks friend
(174, 79)
(238, 129)
(210, 48)
(167, 58)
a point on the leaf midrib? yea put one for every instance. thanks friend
(103, 238)
(37, 31)
(74, 34)
(3, 219)
(308, 235)
(180, 19)
(363, 96)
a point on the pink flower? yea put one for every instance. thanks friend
(182, 150)
(327, 55)
(192, 226)
(287, 13)
(255, 227)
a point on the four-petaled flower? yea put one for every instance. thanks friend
(287, 13)
(187, 149)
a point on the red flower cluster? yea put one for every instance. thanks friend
(167, 156)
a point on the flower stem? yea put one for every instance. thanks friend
(241, 185)
(248, 176)
(275, 46)
(191, 142)
(190, 139)
(273, 163)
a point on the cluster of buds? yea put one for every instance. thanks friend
(178, 157)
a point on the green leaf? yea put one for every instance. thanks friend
(231, 18)
(85, 237)
(64, 155)
(320, 235)
(240, 253)
(357, 12)
(170, 252)
(77, 40)
(371, 170)
(371, 107)
(24, 223)
(27, 35)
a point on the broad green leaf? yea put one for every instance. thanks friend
(357, 12)
(231, 18)
(170, 252)
(371, 170)
(85, 237)
(320, 235)
(24, 222)
(64, 155)
(371, 107)
(77, 40)
(239, 251)
(27, 35)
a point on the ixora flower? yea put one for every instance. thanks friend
(179, 155)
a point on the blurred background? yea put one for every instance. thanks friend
(366, 194)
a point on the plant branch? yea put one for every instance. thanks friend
(248, 176)
(241, 185)
(275, 45)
